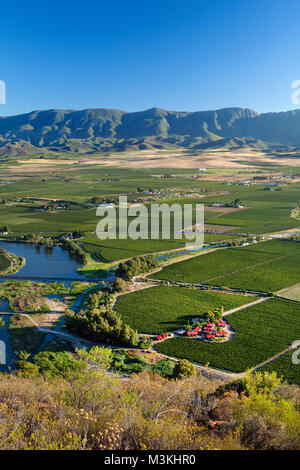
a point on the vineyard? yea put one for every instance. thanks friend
(162, 308)
(266, 266)
(261, 332)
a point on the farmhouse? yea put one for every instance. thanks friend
(207, 328)
(192, 333)
(161, 337)
(221, 334)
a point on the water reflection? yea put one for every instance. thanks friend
(42, 262)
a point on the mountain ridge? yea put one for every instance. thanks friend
(95, 130)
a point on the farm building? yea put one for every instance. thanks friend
(207, 328)
(161, 337)
(221, 334)
(192, 333)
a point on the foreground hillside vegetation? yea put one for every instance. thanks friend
(85, 408)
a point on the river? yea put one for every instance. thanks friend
(42, 263)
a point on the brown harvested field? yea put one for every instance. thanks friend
(157, 159)
(209, 158)
(48, 161)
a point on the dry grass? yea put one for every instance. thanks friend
(210, 158)
(216, 158)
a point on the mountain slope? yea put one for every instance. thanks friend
(94, 130)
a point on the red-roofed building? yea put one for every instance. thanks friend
(210, 336)
(192, 333)
(221, 333)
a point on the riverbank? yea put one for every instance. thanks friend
(10, 263)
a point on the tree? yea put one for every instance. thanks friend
(49, 243)
(93, 301)
(183, 368)
(237, 202)
(137, 265)
(119, 285)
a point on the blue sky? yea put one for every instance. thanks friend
(133, 55)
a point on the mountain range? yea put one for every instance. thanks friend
(104, 130)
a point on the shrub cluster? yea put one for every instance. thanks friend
(81, 410)
(98, 323)
(138, 265)
(75, 250)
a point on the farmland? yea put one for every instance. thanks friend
(262, 331)
(78, 180)
(267, 266)
(162, 308)
(27, 188)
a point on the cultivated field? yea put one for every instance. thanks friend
(160, 309)
(285, 368)
(267, 266)
(262, 331)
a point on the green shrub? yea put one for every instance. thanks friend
(183, 368)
